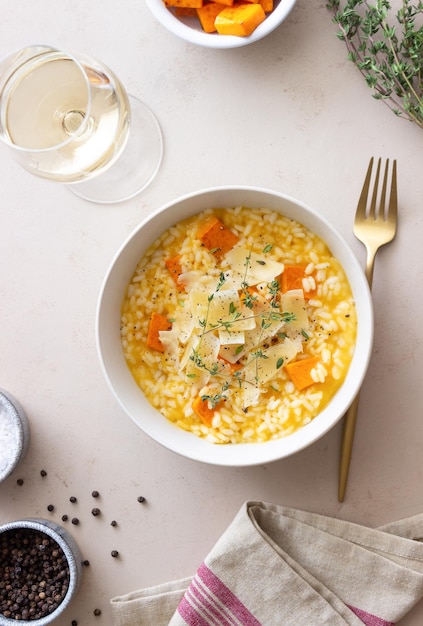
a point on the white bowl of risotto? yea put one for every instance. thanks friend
(185, 23)
(235, 326)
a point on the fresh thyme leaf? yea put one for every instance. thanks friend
(390, 57)
(268, 247)
(260, 262)
(279, 363)
(222, 280)
(214, 400)
(248, 298)
(274, 288)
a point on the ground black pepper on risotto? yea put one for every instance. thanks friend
(239, 325)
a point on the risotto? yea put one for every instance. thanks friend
(238, 325)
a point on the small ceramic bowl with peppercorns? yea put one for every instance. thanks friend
(222, 24)
(41, 569)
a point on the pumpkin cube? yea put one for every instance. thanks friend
(267, 5)
(185, 12)
(240, 20)
(193, 4)
(207, 15)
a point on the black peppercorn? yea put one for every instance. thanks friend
(75, 521)
(65, 518)
(74, 622)
(72, 499)
(113, 523)
(114, 553)
(97, 612)
(141, 499)
(35, 574)
(43, 473)
(96, 512)
(50, 507)
(20, 482)
(86, 563)
(95, 494)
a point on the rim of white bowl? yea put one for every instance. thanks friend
(213, 40)
(154, 424)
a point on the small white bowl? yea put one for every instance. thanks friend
(189, 28)
(14, 434)
(129, 395)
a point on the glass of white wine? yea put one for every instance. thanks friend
(66, 117)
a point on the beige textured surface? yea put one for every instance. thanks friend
(289, 113)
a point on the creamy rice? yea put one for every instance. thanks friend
(248, 401)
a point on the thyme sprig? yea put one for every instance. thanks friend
(390, 57)
(266, 318)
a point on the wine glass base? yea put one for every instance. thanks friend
(135, 168)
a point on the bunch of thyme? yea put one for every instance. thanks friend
(390, 57)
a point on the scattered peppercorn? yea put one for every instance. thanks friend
(97, 612)
(113, 523)
(95, 494)
(75, 521)
(114, 553)
(141, 499)
(74, 622)
(50, 507)
(43, 473)
(65, 518)
(20, 482)
(95, 512)
(86, 563)
(72, 499)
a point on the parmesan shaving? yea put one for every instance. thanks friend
(257, 268)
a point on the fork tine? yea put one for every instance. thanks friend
(362, 201)
(373, 209)
(382, 204)
(393, 198)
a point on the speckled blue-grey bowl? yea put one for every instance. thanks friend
(14, 434)
(73, 557)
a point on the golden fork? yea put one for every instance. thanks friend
(374, 225)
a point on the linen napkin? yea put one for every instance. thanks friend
(279, 566)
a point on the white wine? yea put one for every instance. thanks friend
(69, 120)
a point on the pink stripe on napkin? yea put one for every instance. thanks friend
(209, 602)
(369, 619)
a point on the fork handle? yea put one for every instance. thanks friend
(370, 263)
(346, 448)
(350, 417)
